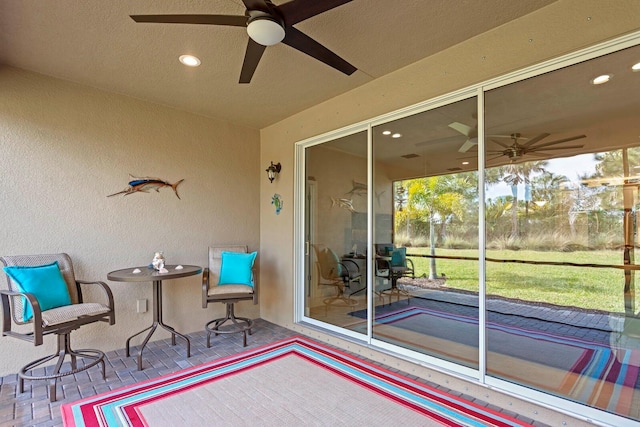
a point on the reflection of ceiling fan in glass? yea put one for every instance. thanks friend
(472, 135)
(531, 147)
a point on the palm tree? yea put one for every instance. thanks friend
(514, 174)
(441, 198)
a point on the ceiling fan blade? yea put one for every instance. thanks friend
(559, 141)
(567, 147)
(535, 139)
(251, 59)
(493, 158)
(302, 42)
(298, 10)
(229, 20)
(260, 5)
(462, 128)
(468, 144)
(502, 144)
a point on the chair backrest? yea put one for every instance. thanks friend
(383, 249)
(215, 260)
(66, 268)
(328, 263)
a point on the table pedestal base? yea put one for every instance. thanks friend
(157, 321)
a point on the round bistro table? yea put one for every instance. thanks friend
(150, 275)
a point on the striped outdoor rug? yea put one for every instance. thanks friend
(585, 371)
(295, 381)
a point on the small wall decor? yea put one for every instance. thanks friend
(359, 189)
(277, 201)
(144, 184)
(343, 203)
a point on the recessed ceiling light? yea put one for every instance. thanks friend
(386, 132)
(636, 67)
(601, 79)
(396, 135)
(465, 163)
(189, 60)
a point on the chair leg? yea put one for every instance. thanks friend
(64, 350)
(213, 326)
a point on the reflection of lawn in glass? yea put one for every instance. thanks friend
(585, 287)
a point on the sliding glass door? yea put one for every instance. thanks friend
(562, 228)
(336, 231)
(496, 241)
(426, 232)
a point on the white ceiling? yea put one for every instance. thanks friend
(96, 43)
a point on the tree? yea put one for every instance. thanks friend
(514, 174)
(440, 198)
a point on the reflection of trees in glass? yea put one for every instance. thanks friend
(561, 214)
(439, 199)
(513, 175)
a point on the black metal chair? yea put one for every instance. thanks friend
(59, 320)
(228, 294)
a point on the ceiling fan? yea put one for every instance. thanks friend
(470, 132)
(532, 147)
(267, 25)
(472, 135)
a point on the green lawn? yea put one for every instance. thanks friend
(585, 287)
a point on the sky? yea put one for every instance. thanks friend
(571, 167)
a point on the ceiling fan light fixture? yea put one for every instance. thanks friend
(635, 67)
(189, 60)
(265, 30)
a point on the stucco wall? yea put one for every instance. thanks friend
(65, 147)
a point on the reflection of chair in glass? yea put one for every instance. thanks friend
(340, 274)
(228, 280)
(393, 268)
(41, 291)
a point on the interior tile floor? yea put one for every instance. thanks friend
(32, 408)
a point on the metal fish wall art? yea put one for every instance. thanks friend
(359, 189)
(144, 184)
(343, 203)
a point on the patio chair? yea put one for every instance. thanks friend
(42, 296)
(339, 274)
(229, 279)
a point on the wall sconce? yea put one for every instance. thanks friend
(272, 170)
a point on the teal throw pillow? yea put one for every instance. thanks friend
(399, 257)
(45, 282)
(236, 268)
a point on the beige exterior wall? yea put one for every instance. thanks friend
(65, 147)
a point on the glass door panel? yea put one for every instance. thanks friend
(426, 232)
(562, 227)
(336, 231)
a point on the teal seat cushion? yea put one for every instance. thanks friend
(237, 268)
(45, 282)
(399, 257)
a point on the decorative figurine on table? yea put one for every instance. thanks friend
(158, 262)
